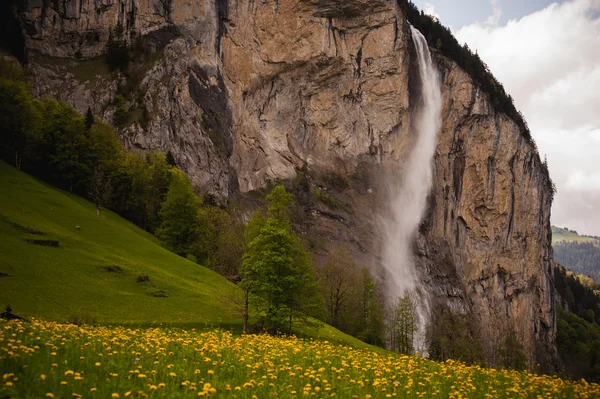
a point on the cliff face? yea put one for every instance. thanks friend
(250, 91)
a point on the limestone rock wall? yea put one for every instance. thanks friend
(255, 90)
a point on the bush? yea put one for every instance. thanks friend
(142, 278)
(81, 320)
(336, 181)
(120, 110)
(113, 269)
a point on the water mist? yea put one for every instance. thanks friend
(409, 193)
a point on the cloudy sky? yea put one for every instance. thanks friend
(547, 55)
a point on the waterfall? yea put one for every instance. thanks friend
(409, 193)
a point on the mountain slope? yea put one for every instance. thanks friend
(563, 234)
(71, 280)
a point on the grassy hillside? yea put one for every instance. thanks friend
(561, 234)
(73, 279)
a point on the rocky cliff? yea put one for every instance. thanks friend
(248, 91)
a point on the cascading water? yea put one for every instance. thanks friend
(409, 194)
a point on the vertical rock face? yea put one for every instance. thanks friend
(249, 91)
(490, 216)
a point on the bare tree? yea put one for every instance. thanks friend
(239, 301)
(338, 279)
(100, 189)
(403, 324)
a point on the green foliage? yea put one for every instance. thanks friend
(578, 298)
(511, 354)
(178, 229)
(279, 202)
(336, 181)
(19, 121)
(221, 242)
(453, 336)
(276, 266)
(89, 119)
(403, 325)
(371, 325)
(121, 111)
(560, 234)
(255, 224)
(56, 283)
(578, 336)
(100, 189)
(331, 202)
(340, 282)
(66, 148)
(578, 343)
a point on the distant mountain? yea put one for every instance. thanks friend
(578, 253)
(564, 234)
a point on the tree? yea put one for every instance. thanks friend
(455, 336)
(100, 190)
(171, 159)
(221, 242)
(279, 203)
(277, 269)
(120, 116)
(131, 183)
(117, 53)
(338, 277)
(178, 229)
(276, 266)
(403, 325)
(256, 223)
(19, 121)
(371, 317)
(66, 145)
(89, 119)
(159, 178)
(512, 352)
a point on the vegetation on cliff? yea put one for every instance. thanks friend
(578, 338)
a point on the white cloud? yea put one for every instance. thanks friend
(549, 61)
(429, 9)
(582, 181)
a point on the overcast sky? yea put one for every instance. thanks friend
(547, 55)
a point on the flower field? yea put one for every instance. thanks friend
(45, 359)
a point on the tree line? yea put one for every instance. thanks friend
(578, 335)
(580, 257)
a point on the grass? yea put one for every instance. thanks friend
(560, 234)
(91, 70)
(92, 274)
(41, 359)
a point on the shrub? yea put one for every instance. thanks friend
(81, 320)
(120, 110)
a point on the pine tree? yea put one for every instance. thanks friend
(89, 119)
